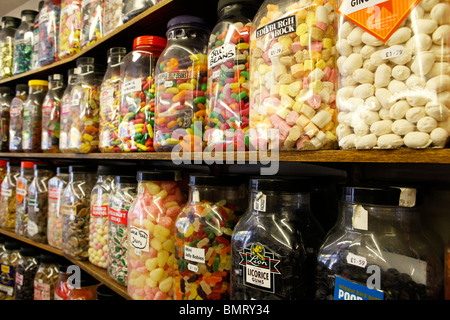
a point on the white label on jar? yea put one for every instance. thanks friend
(221, 54)
(278, 28)
(360, 217)
(356, 260)
(195, 196)
(258, 276)
(139, 238)
(276, 50)
(132, 86)
(21, 191)
(416, 268)
(194, 254)
(32, 227)
(53, 194)
(260, 202)
(6, 192)
(107, 97)
(192, 267)
(392, 52)
(407, 197)
(216, 74)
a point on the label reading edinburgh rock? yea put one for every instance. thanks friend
(259, 268)
(280, 27)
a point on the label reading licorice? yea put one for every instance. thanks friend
(221, 54)
(280, 27)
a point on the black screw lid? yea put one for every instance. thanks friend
(381, 195)
(22, 87)
(125, 179)
(4, 89)
(159, 175)
(210, 180)
(61, 170)
(223, 3)
(106, 170)
(282, 184)
(12, 245)
(82, 169)
(28, 251)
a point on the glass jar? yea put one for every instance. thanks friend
(23, 42)
(91, 22)
(447, 272)
(16, 118)
(110, 101)
(275, 243)
(75, 212)
(51, 107)
(132, 8)
(105, 293)
(98, 222)
(9, 27)
(37, 205)
(377, 250)
(25, 271)
(56, 186)
(32, 116)
(120, 202)
(137, 107)
(49, 17)
(2, 244)
(293, 76)
(69, 28)
(85, 290)
(22, 185)
(151, 221)
(228, 105)
(181, 83)
(62, 286)
(66, 111)
(8, 263)
(112, 15)
(8, 196)
(35, 40)
(203, 238)
(6, 94)
(46, 277)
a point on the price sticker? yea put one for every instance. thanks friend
(356, 260)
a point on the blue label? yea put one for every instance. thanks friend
(347, 290)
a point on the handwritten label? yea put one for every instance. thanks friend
(139, 239)
(132, 86)
(356, 260)
(194, 254)
(221, 54)
(260, 202)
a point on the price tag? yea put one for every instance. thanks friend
(360, 217)
(356, 260)
(392, 52)
(260, 202)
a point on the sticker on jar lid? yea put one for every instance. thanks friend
(278, 28)
(360, 217)
(392, 52)
(259, 204)
(132, 86)
(194, 254)
(356, 260)
(407, 197)
(221, 54)
(139, 238)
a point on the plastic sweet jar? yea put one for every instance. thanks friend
(51, 109)
(98, 222)
(203, 232)
(106, 293)
(8, 263)
(69, 28)
(9, 27)
(293, 76)
(112, 17)
(23, 42)
(56, 186)
(181, 83)
(35, 40)
(228, 105)
(377, 250)
(49, 17)
(16, 118)
(8, 196)
(110, 101)
(91, 22)
(151, 223)
(75, 204)
(62, 286)
(32, 116)
(132, 8)
(5, 104)
(66, 111)
(22, 186)
(46, 277)
(120, 202)
(137, 107)
(25, 271)
(37, 204)
(84, 288)
(2, 244)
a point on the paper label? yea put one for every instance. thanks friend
(6, 193)
(132, 86)
(139, 238)
(173, 75)
(392, 52)
(194, 254)
(99, 211)
(41, 291)
(348, 290)
(53, 194)
(117, 216)
(278, 28)
(221, 54)
(360, 217)
(7, 279)
(259, 204)
(356, 260)
(407, 197)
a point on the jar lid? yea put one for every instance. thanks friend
(22, 87)
(56, 77)
(12, 164)
(29, 12)
(3, 163)
(12, 19)
(62, 170)
(48, 258)
(84, 61)
(383, 195)
(27, 164)
(28, 251)
(159, 176)
(210, 180)
(12, 245)
(150, 41)
(82, 169)
(281, 184)
(125, 179)
(187, 20)
(6, 90)
(223, 3)
(106, 170)
(42, 166)
(38, 83)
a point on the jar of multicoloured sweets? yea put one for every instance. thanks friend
(16, 118)
(51, 109)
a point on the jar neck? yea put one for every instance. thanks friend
(12, 170)
(42, 173)
(9, 24)
(37, 89)
(80, 176)
(21, 93)
(272, 202)
(188, 33)
(237, 10)
(27, 18)
(26, 171)
(127, 185)
(55, 84)
(213, 194)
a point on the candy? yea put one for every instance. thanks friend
(16, 118)
(8, 197)
(49, 18)
(23, 43)
(22, 185)
(66, 112)
(51, 109)
(56, 187)
(91, 22)
(5, 106)
(10, 25)
(112, 15)
(70, 26)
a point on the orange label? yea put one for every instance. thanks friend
(378, 17)
(21, 191)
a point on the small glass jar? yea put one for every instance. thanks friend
(25, 271)
(203, 232)
(98, 222)
(8, 265)
(56, 186)
(75, 211)
(69, 28)
(66, 111)
(377, 250)
(137, 107)
(49, 32)
(91, 22)
(8, 196)
(181, 83)
(132, 8)
(86, 289)
(9, 27)
(51, 109)
(6, 94)
(151, 222)
(16, 118)
(22, 185)
(120, 202)
(35, 41)
(37, 204)
(62, 286)
(46, 277)
(110, 101)
(23, 42)
(32, 116)
(112, 16)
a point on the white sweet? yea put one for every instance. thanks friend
(390, 141)
(417, 140)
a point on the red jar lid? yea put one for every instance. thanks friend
(3, 163)
(27, 164)
(149, 41)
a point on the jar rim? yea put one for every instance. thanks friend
(381, 195)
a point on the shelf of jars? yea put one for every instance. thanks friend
(98, 273)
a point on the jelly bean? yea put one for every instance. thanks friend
(70, 26)
(91, 22)
(51, 107)
(49, 18)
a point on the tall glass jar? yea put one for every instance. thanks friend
(8, 196)
(56, 186)
(51, 109)
(37, 205)
(46, 277)
(91, 22)
(228, 105)
(275, 243)
(62, 286)
(151, 222)
(137, 107)
(22, 185)
(16, 118)
(6, 95)
(110, 101)
(9, 27)
(181, 83)
(120, 202)
(98, 222)
(35, 41)
(49, 17)
(203, 238)
(132, 8)
(75, 211)
(69, 28)
(377, 250)
(8, 263)
(23, 42)
(113, 15)
(32, 116)
(25, 271)
(66, 111)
